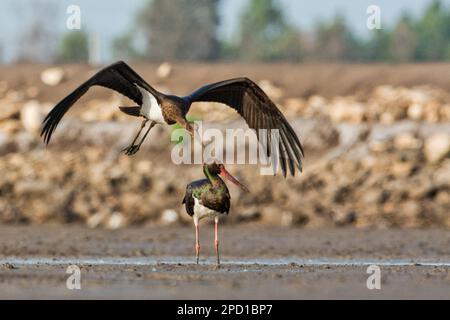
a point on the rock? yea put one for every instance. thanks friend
(164, 70)
(97, 219)
(52, 76)
(271, 89)
(5, 142)
(287, 219)
(25, 141)
(378, 146)
(406, 141)
(251, 214)
(9, 110)
(349, 111)
(316, 105)
(323, 136)
(27, 187)
(387, 118)
(10, 266)
(295, 107)
(169, 216)
(14, 96)
(409, 214)
(442, 174)
(144, 167)
(116, 221)
(401, 169)
(443, 198)
(343, 218)
(10, 126)
(437, 147)
(415, 111)
(431, 113)
(445, 113)
(32, 116)
(3, 87)
(32, 92)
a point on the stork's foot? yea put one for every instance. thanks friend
(197, 253)
(131, 150)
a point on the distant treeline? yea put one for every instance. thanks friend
(188, 30)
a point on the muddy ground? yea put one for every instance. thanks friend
(257, 262)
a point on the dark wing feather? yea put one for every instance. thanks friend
(118, 77)
(189, 201)
(250, 101)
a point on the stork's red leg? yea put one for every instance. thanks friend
(216, 238)
(197, 240)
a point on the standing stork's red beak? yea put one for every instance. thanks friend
(224, 173)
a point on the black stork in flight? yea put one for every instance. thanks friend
(209, 198)
(241, 94)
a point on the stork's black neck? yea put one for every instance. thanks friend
(214, 179)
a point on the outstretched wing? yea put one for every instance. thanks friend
(250, 101)
(118, 77)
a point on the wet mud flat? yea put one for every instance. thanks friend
(257, 262)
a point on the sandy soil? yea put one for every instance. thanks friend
(257, 263)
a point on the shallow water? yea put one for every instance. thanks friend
(148, 261)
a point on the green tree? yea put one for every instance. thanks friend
(123, 47)
(265, 35)
(403, 40)
(180, 29)
(74, 47)
(335, 41)
(38, 39)
(378, 47)
(433, 32)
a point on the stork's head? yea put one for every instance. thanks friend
(217, 168)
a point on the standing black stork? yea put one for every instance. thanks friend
(209, 198)
(241, 94)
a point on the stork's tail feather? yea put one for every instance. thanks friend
(131, 111)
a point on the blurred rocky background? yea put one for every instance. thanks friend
(377, 142)
(372, 108)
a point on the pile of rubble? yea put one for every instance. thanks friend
(381, 160)
(381, 178)
(386, 104)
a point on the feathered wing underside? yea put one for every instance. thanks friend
(250, 101)
(118, 77)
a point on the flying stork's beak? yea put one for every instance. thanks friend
(224, 173)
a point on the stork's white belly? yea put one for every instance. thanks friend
(150, 108)
(200, 211)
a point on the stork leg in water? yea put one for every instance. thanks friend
(216, 238)
(197, 240)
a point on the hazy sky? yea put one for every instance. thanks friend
(109, 18)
